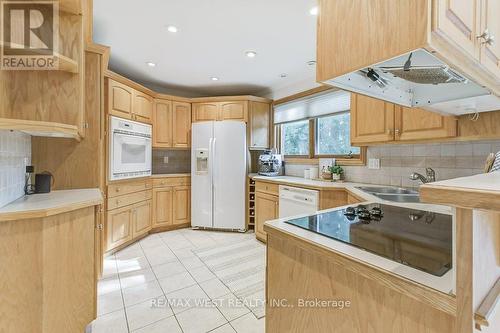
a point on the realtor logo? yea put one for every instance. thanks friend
(29, 35)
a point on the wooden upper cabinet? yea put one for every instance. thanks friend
(162, 206)
(141, 214)
(181, 124)
(376, 121)
(385, 29)
(490, 52)
(458, 20)
(182, 204)
(372, 120)
(162, 123)
(205, 111)
(259, 122)
(143, 107)
(120, 99)
(119, 227)
(345, 45)
(237, 110)
(418, 124)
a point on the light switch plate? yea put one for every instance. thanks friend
(374, 163)
(165, 159)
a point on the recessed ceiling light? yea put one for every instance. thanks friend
(311, 63)
(214, 78)
(313, 11)
(251, 54)
(172, 28)
(283, 75)
(150, 64)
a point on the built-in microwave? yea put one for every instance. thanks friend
(130, 149)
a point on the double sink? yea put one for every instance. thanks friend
(394, 194)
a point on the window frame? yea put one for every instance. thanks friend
(313, 157)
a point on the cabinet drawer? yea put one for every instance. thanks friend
(267, 188)
(160, 182)
(115, 190)
(128, 199)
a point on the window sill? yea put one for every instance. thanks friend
(338, 161)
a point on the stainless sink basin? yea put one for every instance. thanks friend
(394, 194)
(387, 190)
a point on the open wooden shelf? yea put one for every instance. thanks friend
(66, 64)
(41, 128)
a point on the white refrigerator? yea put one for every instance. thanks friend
(218, 175)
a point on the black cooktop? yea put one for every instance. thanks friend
(419, 239)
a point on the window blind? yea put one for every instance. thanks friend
(313, 106)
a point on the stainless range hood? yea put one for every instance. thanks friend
(420, 79)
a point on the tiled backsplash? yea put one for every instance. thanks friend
(178, 161)
(397, 162)
(15, 151)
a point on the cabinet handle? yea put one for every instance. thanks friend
(487, 37)
(117, 189)
(389, 131)
(118, 202)
(397, 132)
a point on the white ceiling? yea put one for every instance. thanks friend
(212, 39)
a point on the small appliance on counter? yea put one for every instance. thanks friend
(270, 164)
(43, 182)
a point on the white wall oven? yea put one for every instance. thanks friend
(130, 149)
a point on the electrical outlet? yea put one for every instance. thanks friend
(165, 159)
(374, 163)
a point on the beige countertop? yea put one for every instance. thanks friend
(170, 175)
(351, 187)
(475, 192)
(444, 284)
(48, 204)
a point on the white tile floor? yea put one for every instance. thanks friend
(160, 285)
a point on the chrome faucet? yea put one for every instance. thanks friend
(431, 176)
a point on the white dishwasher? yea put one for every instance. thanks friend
(297, 201)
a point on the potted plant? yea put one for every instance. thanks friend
(336, 171)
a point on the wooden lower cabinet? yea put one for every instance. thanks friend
(48, 274)
(141, 218)
(162, 207)
(182, 204)
(266, 208)
(171, 202)
(119, 227)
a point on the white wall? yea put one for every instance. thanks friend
(15, 154)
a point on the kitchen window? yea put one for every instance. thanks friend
(295, 138)
(316, 127)
(333, 136)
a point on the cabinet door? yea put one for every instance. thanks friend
(205, 111)
(162, 206)
(143, 107)
(141, 218)
(418, 124)
(490, 20)
(182, 204)
(266, 208)
(162, 123)
(181, 127)
(458, 21)
(259, 125)
(118, 227)
(120, 99)
(372, 120)
(234, 110)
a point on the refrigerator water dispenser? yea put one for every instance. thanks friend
(201, 161)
